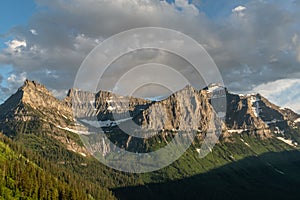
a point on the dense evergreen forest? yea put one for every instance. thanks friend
(26, 175)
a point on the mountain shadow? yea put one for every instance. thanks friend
(268, 176)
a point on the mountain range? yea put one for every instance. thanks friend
(258, 145)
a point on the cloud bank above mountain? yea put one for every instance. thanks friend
(253, 43)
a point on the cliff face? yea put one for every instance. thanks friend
(81, 102)
(33, 109)
(186, 110)
(104, 105)
(33, 101)
(243, 113)
(256, 114)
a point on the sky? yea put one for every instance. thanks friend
(255, 44)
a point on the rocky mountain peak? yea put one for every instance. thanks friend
(33, 100)
(33, 84)
(185, 109)
(35, 93)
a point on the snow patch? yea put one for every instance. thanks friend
(74, 131)
(83, 154)
(288, 141)
(107, 123)
(236, 130)
(255, 105)
(245, 142)
(297, 120)
(278, 131)
(110, 108)
(273, 121)
(64, 116)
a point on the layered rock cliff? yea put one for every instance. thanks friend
(189, 109)
(33, 109)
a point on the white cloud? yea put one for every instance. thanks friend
(15, 46)
(14, 81)
(33, 32)
(248, 50)
(61, 94)
(20, 78)
(283, 92)
(239, 10)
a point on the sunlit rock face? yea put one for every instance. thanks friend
(34, 108)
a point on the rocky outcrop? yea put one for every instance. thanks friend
(185, 110)
(255, 113)
(33, 109)
(244, 113)
(33, 101)
(104, 105)
(81, 102)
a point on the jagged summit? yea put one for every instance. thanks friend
(32, 84)
(184, 109)
(33, 100)
(104, 93)
(29, 93)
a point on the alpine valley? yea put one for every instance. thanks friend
(43, 156)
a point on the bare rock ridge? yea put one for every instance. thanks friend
(32, 101)
(34, 109)
(105, 105)
(187, 109)
(255, 113)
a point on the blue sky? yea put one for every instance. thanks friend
(256, 44)
(13, 13)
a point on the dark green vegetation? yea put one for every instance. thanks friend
(40, 159)
(26, 175)
(250, 178)
(239, 166)
(245, 167)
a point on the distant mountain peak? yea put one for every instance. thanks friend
(244, 112)
(33, 85)
(34, 100)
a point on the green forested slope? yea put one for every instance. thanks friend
(21, 178)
